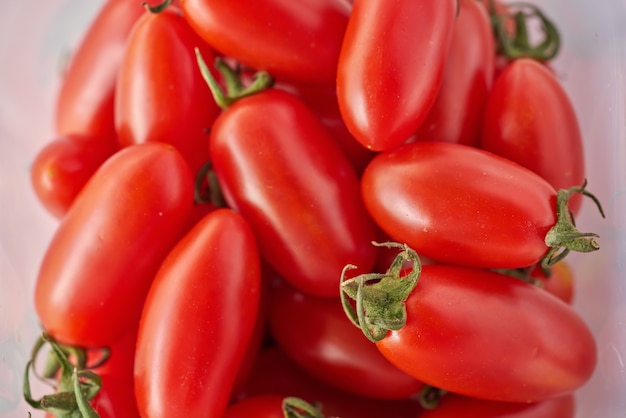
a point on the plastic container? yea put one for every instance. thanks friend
(36, 36)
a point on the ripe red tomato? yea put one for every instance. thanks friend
(285, 174)
(63, 166)
(275, 374)
(457, 114)
(529, 119)
(268, 406)
(85, 100)
(292, 42)
(560, 282)
(391, 67)
(198, 320)
(98, 267)
(161, 95)
(538, 347)
(460, 205)
(316, 335)
(455, 406)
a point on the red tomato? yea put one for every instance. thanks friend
(560, 282)
(294, 42)
(85, 101)
(391, 67)
(538, 347)
(460, 205)
(317, 336)
(275, 374)
(62, 167)
(121, 357)
(456, 115)
(455, 406)
(529, 119)
(161, 94)
(284, 173)
(198, 320)
(110, 244)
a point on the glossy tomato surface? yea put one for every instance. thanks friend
(460, 205)
(198, 320)
(530, 119)
(98, 267)
(391, 67)
(285, 174)
(316, 334)
(268, 406)
(292, 41)
(161, 95)
(491, 336)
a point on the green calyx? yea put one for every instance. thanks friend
(297, 408)
(564, 237)
(517, 44)
(379, 297)
(235, 90)
(74, 388)
(157, 8)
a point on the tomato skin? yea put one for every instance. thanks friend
(62, 167)
(560, 282)
(530, 119)
(283, 172)
(316, 334)
(454, 406)
(85, 101)
(391, 67)
(460, 205)
(275, 374)
(198, 319)
(538, 349)
(269, 406)
(161, 95)
(457, 114)
(293, 43)
(110, 243)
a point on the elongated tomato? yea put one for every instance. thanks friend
(198, 320)
(391, 67)
(99, 265)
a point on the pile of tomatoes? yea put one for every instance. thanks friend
(313, 208)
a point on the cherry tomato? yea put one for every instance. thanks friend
(275, 374)
(391, 67)
(529, 119)
(98, 267)
(161, 94)
(457, 114)
(461, 205)
(268, 406)
(316, 335)
(85, 100)
(63, 166)
(538, 347)
(285, 174)
(454, 406)
(198, 320)
(294, 43)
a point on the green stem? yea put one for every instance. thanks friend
(298, 408)
(430, 396)
(157, 8)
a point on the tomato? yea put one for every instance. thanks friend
(85, 101)
(316, 335)
(285, 174)
(560, 282)
(462, 205)
(391, 67)
(294, 43)
(63, 166)
(529, 119)
(538, 346)
(269, 406)
(161, 95)
(275, 374)
(98, 267)
(198, 320)
(456, 115)
(454, 406)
